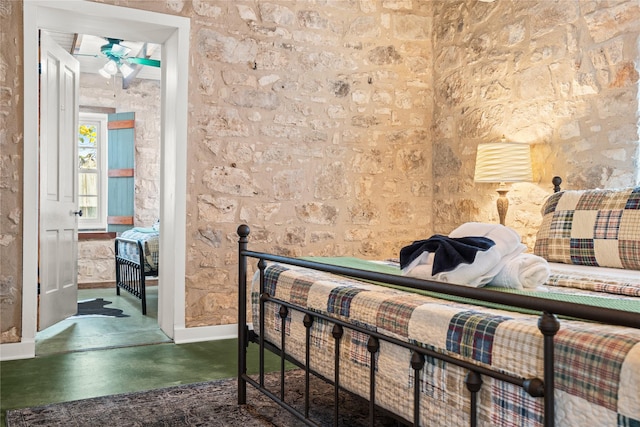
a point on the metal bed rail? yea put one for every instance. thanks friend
(548, 324)
(130, 275)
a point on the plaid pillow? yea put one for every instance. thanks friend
(591, 227)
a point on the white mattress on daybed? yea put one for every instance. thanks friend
(622, 274)
(598, 281)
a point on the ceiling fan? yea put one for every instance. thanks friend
(118, 59)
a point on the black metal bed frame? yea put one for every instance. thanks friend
(536, 387)
(130, 275)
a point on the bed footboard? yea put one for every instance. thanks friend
(130, 274)
(537, 388)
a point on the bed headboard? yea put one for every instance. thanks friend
(556, 181)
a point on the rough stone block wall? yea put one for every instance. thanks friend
(96, 262)
(560, 75)
(11, 167)
(344, 127)
(311, 123)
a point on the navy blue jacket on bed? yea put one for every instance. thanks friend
(448, 252)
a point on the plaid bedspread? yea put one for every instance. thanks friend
(151, 246)
(597, 366)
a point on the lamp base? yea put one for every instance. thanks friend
(502, 203)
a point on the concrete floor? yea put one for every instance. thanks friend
(89, 333)
(65, 369)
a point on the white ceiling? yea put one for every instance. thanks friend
(86, 49)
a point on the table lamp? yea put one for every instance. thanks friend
(503, 162)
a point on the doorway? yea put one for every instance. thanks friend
(104, 319)
(172, 33)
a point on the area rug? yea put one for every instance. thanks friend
(211, 403)
(97, 308)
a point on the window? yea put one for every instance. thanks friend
(92, 171)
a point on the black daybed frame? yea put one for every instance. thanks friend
(130, 275)
(536, 387)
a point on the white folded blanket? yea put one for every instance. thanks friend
(486, 265)
(524, 271)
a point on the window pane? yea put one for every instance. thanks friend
(88, 184)
(89, 207)
(87, 146)
(87, 157)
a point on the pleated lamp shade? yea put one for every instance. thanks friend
(503, 162)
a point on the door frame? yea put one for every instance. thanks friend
(172, 32)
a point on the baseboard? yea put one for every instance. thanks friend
(97, 285)
(112, 284)
(19, 350)
(27, 349)
(205, 333)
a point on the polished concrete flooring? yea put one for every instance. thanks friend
(70, 365)
(87, 333)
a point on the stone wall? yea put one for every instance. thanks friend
(96, 257)
(11, 167)
(310, 121)
(560, 75)
(346, 127)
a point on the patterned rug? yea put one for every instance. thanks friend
(204, 404)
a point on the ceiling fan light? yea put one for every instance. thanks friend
(126, 69)
(103, 73)
(110, 67)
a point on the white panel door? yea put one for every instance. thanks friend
(58, 271)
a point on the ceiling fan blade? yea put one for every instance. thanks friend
(119, 50)
(144, 61)
(114, 49)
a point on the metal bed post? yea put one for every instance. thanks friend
(308, 322)
(283, 313)
(263, 297)
(243, 232)
(118, 267)
(473, 382)
(549, 326)
(417, 363)
(556, 181)
(143, 289)
(337, 335)
(117, 270)
(373, 345)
